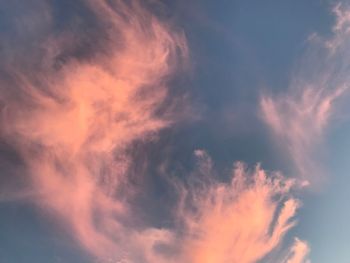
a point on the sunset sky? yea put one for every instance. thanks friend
(174, 131)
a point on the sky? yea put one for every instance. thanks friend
(163, 131)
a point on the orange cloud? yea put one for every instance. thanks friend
(242, 220)
(239, 221)
(73, 122)
(298, 252)
(72, 125)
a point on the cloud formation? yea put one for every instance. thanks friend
(298, 252)
(300, 117)
(299, 123)
(72, 112)
(73, 122)
(242, 220)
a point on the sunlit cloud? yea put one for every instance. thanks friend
(298, 252)
(73, 113)
(300, 118)
(72, 124)
(299, 122)
(341, 29)
(242, 220)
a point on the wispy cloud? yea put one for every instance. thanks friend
(341, 29)
(298, 252)
(299, 122)
(300, 117)
(242, 220)
(72, 112)
(73, 122)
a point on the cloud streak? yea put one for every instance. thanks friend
(298, 252)
(300, 117)
(299, 123)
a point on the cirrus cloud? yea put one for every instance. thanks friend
(72, 119)
(300, 117)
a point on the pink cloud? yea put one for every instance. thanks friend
(300, 118)
(341, 28)
(239, 221)
(74, 133)
(73, 130)
(242, 220)
(299, 121)
(298, 252)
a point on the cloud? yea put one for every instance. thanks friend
(298, 252)
(300, 117)
(73, 108)
(242, 220)
(72, 118)
(341, 28)
(299, 122)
